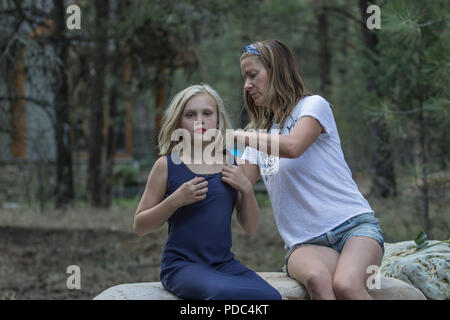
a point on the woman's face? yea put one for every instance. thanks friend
(256, 79)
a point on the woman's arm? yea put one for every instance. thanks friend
(153, 211)
(291, 145)
(246, 205)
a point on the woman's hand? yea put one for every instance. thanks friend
(235, 177)
(191, 191)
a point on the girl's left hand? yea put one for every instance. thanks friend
(235, 177)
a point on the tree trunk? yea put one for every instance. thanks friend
(114, 117)
(424, 188)
(64, 192)
(343, 67)
(96, 139)
(324, 50)
(111, 147)
(15, 69)
(128, 98)
(160, 104)
(382, 160)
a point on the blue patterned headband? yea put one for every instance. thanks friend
(252, 49)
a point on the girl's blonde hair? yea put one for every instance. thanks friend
(285, 88)
(172, 116)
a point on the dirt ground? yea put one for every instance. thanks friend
(34, 259)
(37, 247)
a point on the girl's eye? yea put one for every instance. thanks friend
(188, 115)
(207, 113)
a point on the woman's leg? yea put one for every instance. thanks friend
(358, 253)
(314, 267)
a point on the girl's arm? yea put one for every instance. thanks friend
(153, 211)
(246, 205)
(291, 145)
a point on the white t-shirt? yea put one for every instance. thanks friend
(315, 192)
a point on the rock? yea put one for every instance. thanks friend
(137, 291)
(390, 289)
(427, 269)
(394, 289)
(289, 288)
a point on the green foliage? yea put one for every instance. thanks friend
(420, 240)
(126, 175)
(412, 70)
(128, 203)
(421, 243)
(263, 200)
(413, 76)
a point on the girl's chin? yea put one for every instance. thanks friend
(202, 139)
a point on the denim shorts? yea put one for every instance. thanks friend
(365, 224)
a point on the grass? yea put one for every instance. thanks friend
(37, 246)
(400, 217)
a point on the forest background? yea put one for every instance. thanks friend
(68, 191)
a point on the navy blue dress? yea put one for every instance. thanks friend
(197, 262)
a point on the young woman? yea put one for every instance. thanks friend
(329, 229)
(197, 200)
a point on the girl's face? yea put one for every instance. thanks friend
(199, 114)
(256, 79)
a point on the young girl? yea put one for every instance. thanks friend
(197, 201)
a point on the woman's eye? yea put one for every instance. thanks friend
(189, 115)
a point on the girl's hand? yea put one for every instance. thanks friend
(191, 191)
(235, 177)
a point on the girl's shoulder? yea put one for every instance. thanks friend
(160, 165)
(158, 174)
(161, 161)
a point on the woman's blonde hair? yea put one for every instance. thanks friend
(174, 112)
(285, 88)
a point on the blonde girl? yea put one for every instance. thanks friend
(197, 201)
